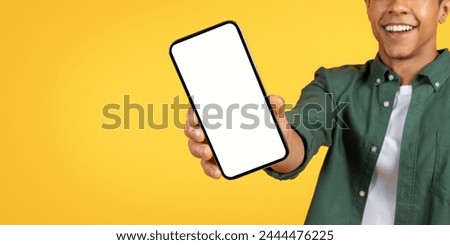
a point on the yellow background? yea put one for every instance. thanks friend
(62, 61)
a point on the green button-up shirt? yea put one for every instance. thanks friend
(348, 109)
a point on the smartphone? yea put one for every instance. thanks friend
(227, 95)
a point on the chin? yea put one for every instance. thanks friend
(398, 53)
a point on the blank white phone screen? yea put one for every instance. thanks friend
(218, 75)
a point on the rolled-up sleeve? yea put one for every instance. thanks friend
(312, 118)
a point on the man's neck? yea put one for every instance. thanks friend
(408, 68)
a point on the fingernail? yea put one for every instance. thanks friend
(216, 174)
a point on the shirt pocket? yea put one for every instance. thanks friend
(441, 175)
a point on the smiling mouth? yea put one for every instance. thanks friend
(398, 28)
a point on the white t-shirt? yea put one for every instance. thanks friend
(381, 199)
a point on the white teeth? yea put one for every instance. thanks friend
(398, 28)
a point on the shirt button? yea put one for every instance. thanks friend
(378, 81)
(373, 149)
(362, 193)
(386, 103)
(391, 77)
(437, 84)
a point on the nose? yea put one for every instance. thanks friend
(399, 7)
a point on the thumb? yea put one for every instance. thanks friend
(277, 104)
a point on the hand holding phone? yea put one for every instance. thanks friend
(200, 148)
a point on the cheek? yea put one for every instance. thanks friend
(427, 16)
(428, 25)
(376, 31)
(374, 24)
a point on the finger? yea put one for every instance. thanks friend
(194, 133)
(211, 169)
(200, 150)
(277, 104)
(192, 118)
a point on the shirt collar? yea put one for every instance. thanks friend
(436, 73)
(379, 71)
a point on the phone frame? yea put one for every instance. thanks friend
(266, 99)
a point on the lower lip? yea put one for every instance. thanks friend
(399, 35)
